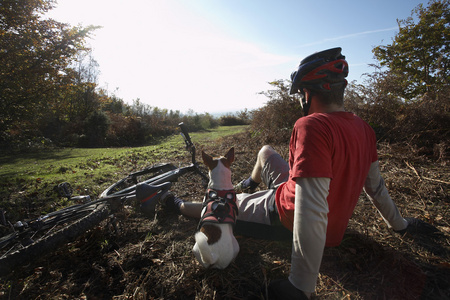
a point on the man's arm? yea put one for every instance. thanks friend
(309, 233)
(379, 195)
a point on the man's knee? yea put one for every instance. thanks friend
(265, 152)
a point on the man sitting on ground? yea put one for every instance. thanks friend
(332, 157)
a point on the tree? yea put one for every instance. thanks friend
(34, 57)
(83, 97)
(96, 127)
(419, 56)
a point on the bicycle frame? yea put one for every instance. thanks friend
(85, 216)
(168, 172)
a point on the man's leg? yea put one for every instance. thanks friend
(260, 207)
(181, 207)
(251, 183)
(191, 209)
(263, 154)
(279, 174)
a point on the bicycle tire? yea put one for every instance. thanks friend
(51, 242)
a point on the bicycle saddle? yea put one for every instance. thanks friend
(149, 195)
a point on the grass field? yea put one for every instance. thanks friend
(26, 180)
(47, 163)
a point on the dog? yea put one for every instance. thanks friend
(215, 245)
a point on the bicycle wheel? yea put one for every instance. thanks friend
(63, 227)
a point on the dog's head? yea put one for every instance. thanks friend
(212, 162)
(219, 170)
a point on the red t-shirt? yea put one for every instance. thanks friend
(336, 145)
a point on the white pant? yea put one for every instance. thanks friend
(260, 207)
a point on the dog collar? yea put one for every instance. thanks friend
(219, 206)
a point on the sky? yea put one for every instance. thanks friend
(217, 56)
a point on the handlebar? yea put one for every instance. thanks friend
(187, 139)
(191, 148)
(185, 133)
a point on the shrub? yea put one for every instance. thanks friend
(273, 123)
(423, 122)
(96, 127)
(125, 131)
(196, 122)
(241, 118)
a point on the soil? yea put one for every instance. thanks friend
(151, 258)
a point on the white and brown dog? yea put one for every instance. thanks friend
(215, 245)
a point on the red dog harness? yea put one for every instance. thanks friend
(220, 206)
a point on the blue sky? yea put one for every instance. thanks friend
(217, 55)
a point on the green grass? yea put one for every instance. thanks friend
(49, 163)
(27, 180)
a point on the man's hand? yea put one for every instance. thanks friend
(284, 290)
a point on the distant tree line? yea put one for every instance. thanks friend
(49, 93)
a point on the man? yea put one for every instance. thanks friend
(332, 157)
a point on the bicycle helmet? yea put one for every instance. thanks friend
(321, 71)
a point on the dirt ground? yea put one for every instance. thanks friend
(151, 258)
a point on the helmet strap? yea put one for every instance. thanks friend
(305, 104)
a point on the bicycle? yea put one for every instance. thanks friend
(30, 239)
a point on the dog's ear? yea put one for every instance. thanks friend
(208, 160)
(230, 156)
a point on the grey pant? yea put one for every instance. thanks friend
(260, 207)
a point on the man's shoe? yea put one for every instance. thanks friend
(172, 203)
(241, 187)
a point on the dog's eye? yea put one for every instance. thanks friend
(212, 194)
(229, 196)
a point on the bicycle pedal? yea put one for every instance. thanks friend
(64, 189)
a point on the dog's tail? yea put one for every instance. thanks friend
(207, 256)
